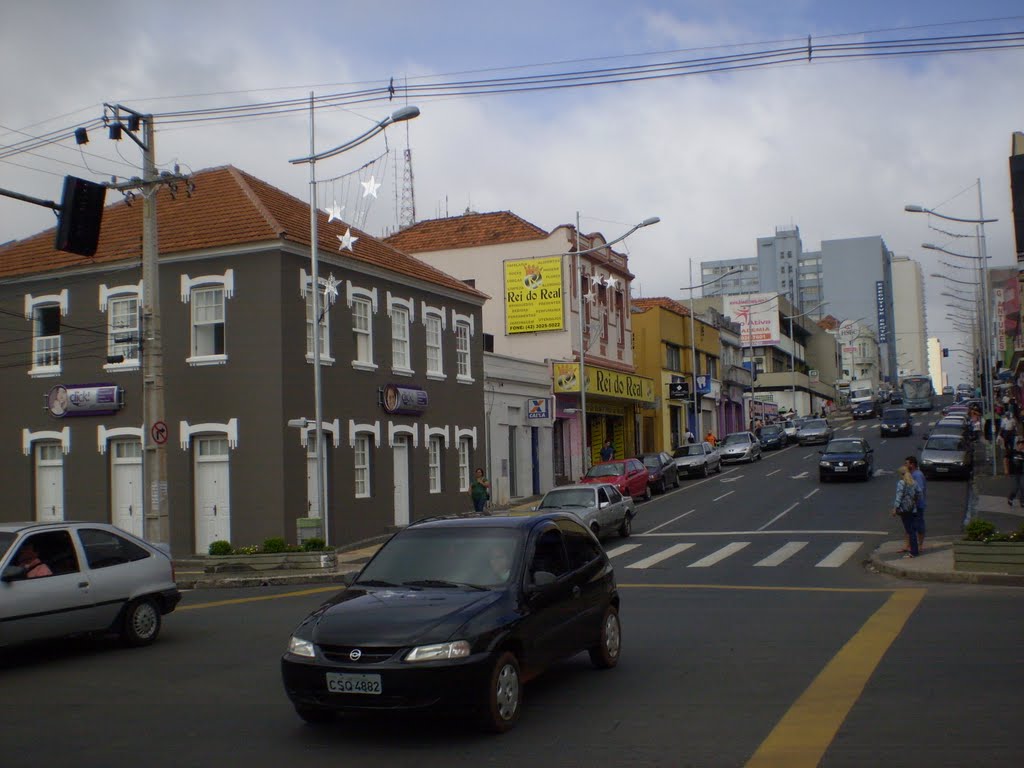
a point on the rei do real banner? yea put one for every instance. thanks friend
(533, 295)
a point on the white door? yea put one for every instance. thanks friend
(49, 482)
(401, 451)
(312, 502)
(126, 485)
(213, 508)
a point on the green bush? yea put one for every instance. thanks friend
(314, 544)
(979, 530)
(274, 545)
(220, 548)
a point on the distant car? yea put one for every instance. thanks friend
(896, 421)
(947, 456)
(790, 428)
(947, 390)
(455, 614)
(628, 475)
(662, 471)
(814, 431)
(866, 409)
(601, 507)
(97, 579)
(740, 446)
(950, 428)
(773, 436)
(697, 459)
(846, 457)
(896, 398)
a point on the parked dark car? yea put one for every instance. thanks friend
(896, 421)
(454, 614)
(814, 431)
(866, 409)
(773, 436)
(662, 469)
(846, 457)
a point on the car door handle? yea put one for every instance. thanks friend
(83, 584)
(576, 591)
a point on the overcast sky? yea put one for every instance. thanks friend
(836, 148)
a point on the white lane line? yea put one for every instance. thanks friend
(783, 512)
(667, 522)
(721, 554)
(840, 555)
(781, 554)
(862, 427)
(811, 493)
(621, 550)
(798, 477)
(731, 479)
(767, 533)
(808, 455)
(773, 472)
(665, 554)
(724, 495)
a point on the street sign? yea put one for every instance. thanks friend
(537, 408)
(159, 433)
(812, 375)
(678, 390)
(703, 384)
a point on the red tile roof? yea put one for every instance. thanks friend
(468, 231)
(665, 303)
(228, 208)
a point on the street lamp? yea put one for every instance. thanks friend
(399, 115)
(979, 232)
(699, 435)
(584, 453)
(792, 349)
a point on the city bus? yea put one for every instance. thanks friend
(918, 392)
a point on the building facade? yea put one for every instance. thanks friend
(909, 319)
(402, 370)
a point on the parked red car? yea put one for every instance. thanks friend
(630, 476)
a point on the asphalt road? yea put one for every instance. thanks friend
(767, 653)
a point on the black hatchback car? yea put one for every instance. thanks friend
(454, 614)
(896, 421)
(773, 436)
(846, 457)
(866, 409)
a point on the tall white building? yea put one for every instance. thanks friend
(911, 329)
(939, 378)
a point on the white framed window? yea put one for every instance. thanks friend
(435, 360)
(465, 454)
(462, 354)
(123, 332)
(46, 312)
(434, 463)
(362, 332)
(208, 294)
(400, 340)
(325, 331)
(361, 465)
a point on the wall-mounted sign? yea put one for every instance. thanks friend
(703, 384)
(533, 295)
(758, 316)
(678, 390)
(404, 399)
(537, 408)
(84, 399)
(813, 376)
(602, 381)
(883, 324)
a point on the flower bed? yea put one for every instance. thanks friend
(986, 550)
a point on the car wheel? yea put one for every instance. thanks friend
(605, 654)
(596, 530)
(675, 482)
(627, 527)
(718, 468)
(662, 486)
(504, 695)
(647, 493)
(141, 622)
(314, 715)
(704, 470)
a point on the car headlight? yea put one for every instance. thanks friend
(904, 425)
(927, 463)
(458, 649)
(300, 647)
(858, 463)
(824, 464)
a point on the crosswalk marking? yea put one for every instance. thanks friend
(840, 555)
(721, 554)
(781, 554)
(665, 554)
(621, 550)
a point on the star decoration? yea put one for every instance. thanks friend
(590, 296)
(331, 290)
(334, 212)
(370, 187)
(347, 241)
(611, 282)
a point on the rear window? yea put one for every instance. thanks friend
(104, 549)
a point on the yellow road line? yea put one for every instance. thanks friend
(804, 733)
(239, 600)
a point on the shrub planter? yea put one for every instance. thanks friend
(989, 556)
(283, 561)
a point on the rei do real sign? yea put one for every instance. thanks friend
(533, 295)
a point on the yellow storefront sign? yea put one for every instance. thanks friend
(601, 381)
(533, 295)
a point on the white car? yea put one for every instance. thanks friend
(790, 428)
(740, 446)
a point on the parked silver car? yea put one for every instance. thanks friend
(70, 578)
(601, 507)
(740, 446)
(697, 459)
(814, 431)
(946, 455)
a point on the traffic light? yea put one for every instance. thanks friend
(945, 351)
(81, 211)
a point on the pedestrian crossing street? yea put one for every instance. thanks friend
(641, 556)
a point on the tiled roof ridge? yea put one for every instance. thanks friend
(243, 180)
(664, 302)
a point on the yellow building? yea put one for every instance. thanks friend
(663, 351)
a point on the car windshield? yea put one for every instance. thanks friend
(944, 443)
(737, 438)
(687, 450)
(5, 543)
(569, 497)
(613, 469)
(815, 424)
(844, 446)
(445, 557)
(895, 413)
(652, 462)
(773, 430)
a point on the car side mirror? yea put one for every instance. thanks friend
(541, 580)
(13, 573)
(348, 578)
(602, 504)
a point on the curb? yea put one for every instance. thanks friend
(947, 576)
(205, 582)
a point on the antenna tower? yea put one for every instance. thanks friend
(407, 213)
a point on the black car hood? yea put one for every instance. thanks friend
(844, 456)
(401, 616)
